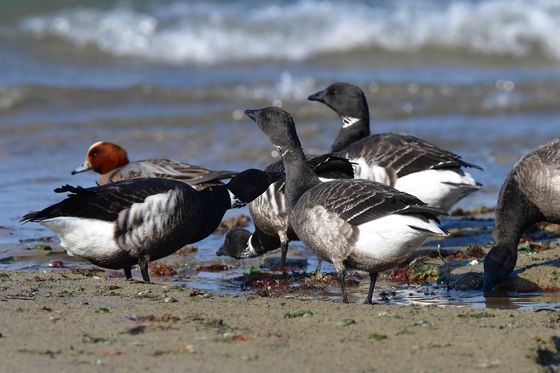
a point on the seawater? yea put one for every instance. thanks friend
(171, 80)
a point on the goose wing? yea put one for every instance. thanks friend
(104, 202)
(404, 154)
(328, 166)
(538, 175)
(360, 201)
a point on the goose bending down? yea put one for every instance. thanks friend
(358, 224)
(136, 221)
(111, 161)
(530, 194)
(272, 229)
(408, 163)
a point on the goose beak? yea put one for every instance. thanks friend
(83, 168)
(319, 96)
(252, 114)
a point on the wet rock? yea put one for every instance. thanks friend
(468, 281)
(239, 221)
(187, 250)
(471, 252)
(273, 262)
(476, 211)
(213, 267)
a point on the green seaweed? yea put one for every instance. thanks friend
(346, 322)
(293, 315)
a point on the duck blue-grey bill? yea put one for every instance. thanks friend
(83, 168)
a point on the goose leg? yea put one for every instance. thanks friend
(317, 272)
(341, 275)
(128, 272)
(143, 263)
(372, 279)
(284, 250)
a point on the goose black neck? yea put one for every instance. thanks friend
(263, 243)
(299, 177)
(215, 201)
(513, 219)
(351, 133)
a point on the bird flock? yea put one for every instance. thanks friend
(366, 205)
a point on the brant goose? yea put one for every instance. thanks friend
(136, 221)
(403, 161)
(272, 229)
(529, 195)
(357, 224)
(111, 161)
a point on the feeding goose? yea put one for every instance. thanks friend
(530, 194)
(358, 224)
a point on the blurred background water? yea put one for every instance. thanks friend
(171, 79)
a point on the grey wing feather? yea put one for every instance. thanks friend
(104, 202)
(404, 154)
(360, 201)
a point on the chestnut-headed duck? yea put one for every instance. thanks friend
(111, 161)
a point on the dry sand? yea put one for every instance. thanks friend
(72, 322)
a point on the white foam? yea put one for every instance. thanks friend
(201, 32)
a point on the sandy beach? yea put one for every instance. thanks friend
(73, 321)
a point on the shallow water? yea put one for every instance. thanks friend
(163, 80)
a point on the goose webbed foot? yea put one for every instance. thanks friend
(372, 280)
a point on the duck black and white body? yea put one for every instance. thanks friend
(408, 163)
(357, 224)
(136, 221)
(111, 161)
(270, 216)
(530, 194)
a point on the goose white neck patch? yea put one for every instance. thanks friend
(349, 121)
(250, 249)
(235, 201)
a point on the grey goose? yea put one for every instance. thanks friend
(406, 162)
(270, 217)
(137, 221)
(358, 224)
(530, 194)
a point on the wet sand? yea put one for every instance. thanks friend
(75, 321)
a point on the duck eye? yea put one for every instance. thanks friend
(94, 154)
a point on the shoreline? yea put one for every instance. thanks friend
(71, 322)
